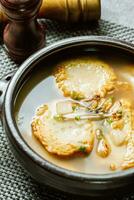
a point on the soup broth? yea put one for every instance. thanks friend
(41, 88)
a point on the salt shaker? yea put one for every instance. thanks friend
(23, 35)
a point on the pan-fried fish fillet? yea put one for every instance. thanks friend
(129, 156)
(63, 138)
(84, 78)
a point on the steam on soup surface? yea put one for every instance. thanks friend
(79, 113)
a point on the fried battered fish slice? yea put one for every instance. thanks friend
(63, 138)
(85, 78)
(129, 155)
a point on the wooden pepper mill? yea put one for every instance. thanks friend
(23, 35)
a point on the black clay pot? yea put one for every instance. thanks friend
(40, 169)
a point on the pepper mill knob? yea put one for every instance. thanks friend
(23, 35)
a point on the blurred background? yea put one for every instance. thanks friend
(119, 11)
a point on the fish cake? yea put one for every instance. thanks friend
(129, 155)
(63, 138)
(84, 78)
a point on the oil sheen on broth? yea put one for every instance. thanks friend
(41, 89)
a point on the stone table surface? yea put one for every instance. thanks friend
(118, 11)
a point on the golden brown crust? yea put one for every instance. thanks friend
(50, 138)
(74, 89)
(129, 155)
